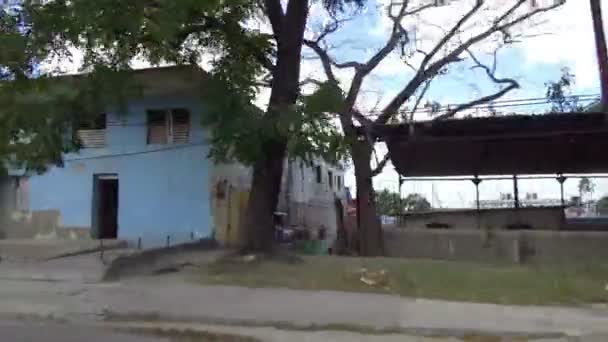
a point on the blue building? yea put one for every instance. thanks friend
(143, 174)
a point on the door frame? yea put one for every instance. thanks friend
(96, 196)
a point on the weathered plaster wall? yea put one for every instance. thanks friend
(543, 218)
(164, 190)
(497, 246)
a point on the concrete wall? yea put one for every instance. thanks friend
(497, 246)
(542, 218)
(164, 190)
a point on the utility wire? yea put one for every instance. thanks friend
(112, 155)
(492, 105)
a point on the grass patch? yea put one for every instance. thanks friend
(572, 284)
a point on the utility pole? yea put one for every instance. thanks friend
(600, 46)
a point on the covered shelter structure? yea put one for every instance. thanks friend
(503, 146)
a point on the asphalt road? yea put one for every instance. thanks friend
(14, 331)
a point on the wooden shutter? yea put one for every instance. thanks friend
(92, 133)
(181, 126)
(157, 127)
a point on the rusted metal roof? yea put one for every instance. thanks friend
(533, 144)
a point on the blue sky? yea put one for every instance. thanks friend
(565, 40)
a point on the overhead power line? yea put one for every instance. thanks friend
(495, 104)
(125, 154)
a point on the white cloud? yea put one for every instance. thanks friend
(571, 42)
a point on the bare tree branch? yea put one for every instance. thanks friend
(451, 33)
(511, 85)
(326, 60)
(360, 117)
(397, 33)
(310, 80)
(419, 99)
(453, 56)
(331, 27)
(380, 165)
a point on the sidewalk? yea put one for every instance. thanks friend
(185, 302)
(73, 293)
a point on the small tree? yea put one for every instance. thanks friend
(559, 93)
(416, 202)
(389, 203)
(585, 187)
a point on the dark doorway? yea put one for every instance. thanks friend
(105, 206)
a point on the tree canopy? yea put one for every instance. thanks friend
(108, 36)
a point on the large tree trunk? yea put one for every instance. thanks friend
(265, 188)
(369, 230)
(268, 171)
(600, 44)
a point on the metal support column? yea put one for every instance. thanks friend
(477, 181)
(400, 181)
(561, 179)
(515, 192)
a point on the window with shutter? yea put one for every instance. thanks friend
(180, 119)
(92, 133)
(157, 127)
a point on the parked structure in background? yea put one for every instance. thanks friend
(565, 145)
(309, 190)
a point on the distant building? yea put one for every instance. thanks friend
(142, 175)
(309, 190)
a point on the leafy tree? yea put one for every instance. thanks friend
(389, 203)
(416, 202)
(475, 23)
(113, 33)
(559, 94)
(585, 187)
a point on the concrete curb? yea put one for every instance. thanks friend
(184, 322)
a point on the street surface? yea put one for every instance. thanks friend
(14, 331)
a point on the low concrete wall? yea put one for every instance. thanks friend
(42, 224)
(497, 246)
(541, 218)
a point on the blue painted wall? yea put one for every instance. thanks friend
(163, 189)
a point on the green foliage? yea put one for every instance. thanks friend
(391, 204)
(559, 94)
(388, 203)
(313, 131)
(585, 186)
(416, 202)
(239, 128)
(113, 33)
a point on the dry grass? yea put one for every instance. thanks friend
(503, 284)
